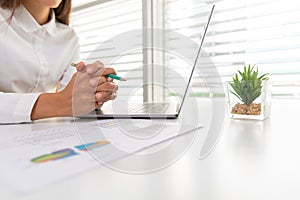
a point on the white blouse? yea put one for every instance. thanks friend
(33, 60)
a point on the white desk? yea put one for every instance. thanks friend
(252, 160)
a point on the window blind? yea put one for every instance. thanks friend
(102, 26)
(261, 32)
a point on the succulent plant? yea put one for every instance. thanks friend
(249, 87)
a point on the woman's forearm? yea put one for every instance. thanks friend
(51, 105)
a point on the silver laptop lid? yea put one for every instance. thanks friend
(197, 57)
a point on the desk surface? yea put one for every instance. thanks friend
(252, 160)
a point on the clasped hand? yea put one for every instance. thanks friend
(90, 87)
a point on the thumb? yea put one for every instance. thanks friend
(80, 66)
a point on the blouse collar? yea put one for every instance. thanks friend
(30, 25)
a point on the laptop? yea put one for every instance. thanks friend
(165, 110)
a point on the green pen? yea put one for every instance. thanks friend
(116, 77)
(109, 75)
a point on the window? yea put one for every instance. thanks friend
(262, 32)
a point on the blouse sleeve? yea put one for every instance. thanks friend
(16, 108)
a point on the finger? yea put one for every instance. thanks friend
(111, 97)
(102, 97)
(97, 69)
(107, 87)
(80, 66)
(97, 81)
(94, 67)
(103, 72)
(98, 105)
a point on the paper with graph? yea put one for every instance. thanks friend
(30, 160)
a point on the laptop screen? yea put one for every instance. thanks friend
(196, 58)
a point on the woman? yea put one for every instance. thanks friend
(37, 48)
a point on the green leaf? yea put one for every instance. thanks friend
(263, 77)
(249, 87)
(236, 95)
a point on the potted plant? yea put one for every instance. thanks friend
(249, 94)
